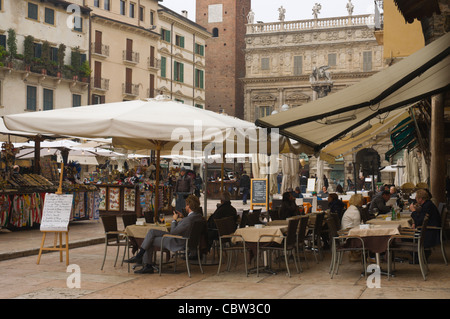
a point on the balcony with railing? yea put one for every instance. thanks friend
(310, 24)
(130, 89)
(100, 84)
(153, 63)
(100, 50)
(130, 57)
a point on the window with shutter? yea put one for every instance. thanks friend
(367, 61)
(31, 98)
(163, 66)
(298, 65)
(48, 99)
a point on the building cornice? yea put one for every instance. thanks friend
(120, 24)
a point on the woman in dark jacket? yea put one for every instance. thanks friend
(288, 207)
(336, 205)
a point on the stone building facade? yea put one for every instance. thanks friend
(280, 58)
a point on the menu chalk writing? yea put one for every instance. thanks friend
(56, 212)
(259, 191)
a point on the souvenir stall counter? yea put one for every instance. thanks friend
(22, 195)
(136, 198)
(21, 207)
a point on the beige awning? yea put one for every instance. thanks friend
(366, 134)
(323, 121)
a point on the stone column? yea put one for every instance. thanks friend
(437, 149)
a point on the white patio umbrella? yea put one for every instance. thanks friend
(290, 168)
(158, 123)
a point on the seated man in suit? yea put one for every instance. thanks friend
(179, 227)
(378, 203)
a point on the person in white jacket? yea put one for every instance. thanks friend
(352, 216)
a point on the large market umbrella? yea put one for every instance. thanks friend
(152, 124)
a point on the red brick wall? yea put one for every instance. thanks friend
(225, 59)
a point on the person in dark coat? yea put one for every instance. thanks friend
(183, 187)
(336, 205)
(288, 207)
(244, 185)
(426, 207)
(179, 227)
(224, 209)
(378, 203)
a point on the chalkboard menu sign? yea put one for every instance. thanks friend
(56, 212)
(258, 192)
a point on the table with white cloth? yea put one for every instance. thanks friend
(405, 222)
(137, 233)
(375, 237)
(252, 234)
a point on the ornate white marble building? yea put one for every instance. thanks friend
(281, 56)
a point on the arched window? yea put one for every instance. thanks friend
(215, 33)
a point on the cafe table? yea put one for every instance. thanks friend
(404, 221)
(375, 237)
(252, 234)
(137, 233)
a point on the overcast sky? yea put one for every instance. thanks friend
(267, 10)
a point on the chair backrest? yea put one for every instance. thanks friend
(225, 226)
(253, 218)
(109, 224)
(273, 213)
(244, 219)
(444, 217)
(332, 227)
(423, 230)
(291, 237)
(441, 207)
(129, 219)
(258, 210)
(336, 219)
(197, 231)
(302, 226)
(319, 223)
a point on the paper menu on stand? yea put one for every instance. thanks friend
(56, 212)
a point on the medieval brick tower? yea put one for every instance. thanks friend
(225, 56)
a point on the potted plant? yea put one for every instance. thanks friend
(61, 56)
(85, 71)
(12, 46)
(45, 58)
(28, 51)
(76, 62)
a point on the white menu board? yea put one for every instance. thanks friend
(56, 212)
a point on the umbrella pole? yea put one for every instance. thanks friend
(158, 161)
(222, 171)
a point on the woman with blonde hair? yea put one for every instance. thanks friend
(352, 216)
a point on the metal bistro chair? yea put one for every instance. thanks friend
(443, 210)
(113, 237)
(412, 242)
(193, 242)
(301, 235)
(289, 244)
(226, 228)
(314, 236)
(253, 218)
(338, 246)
